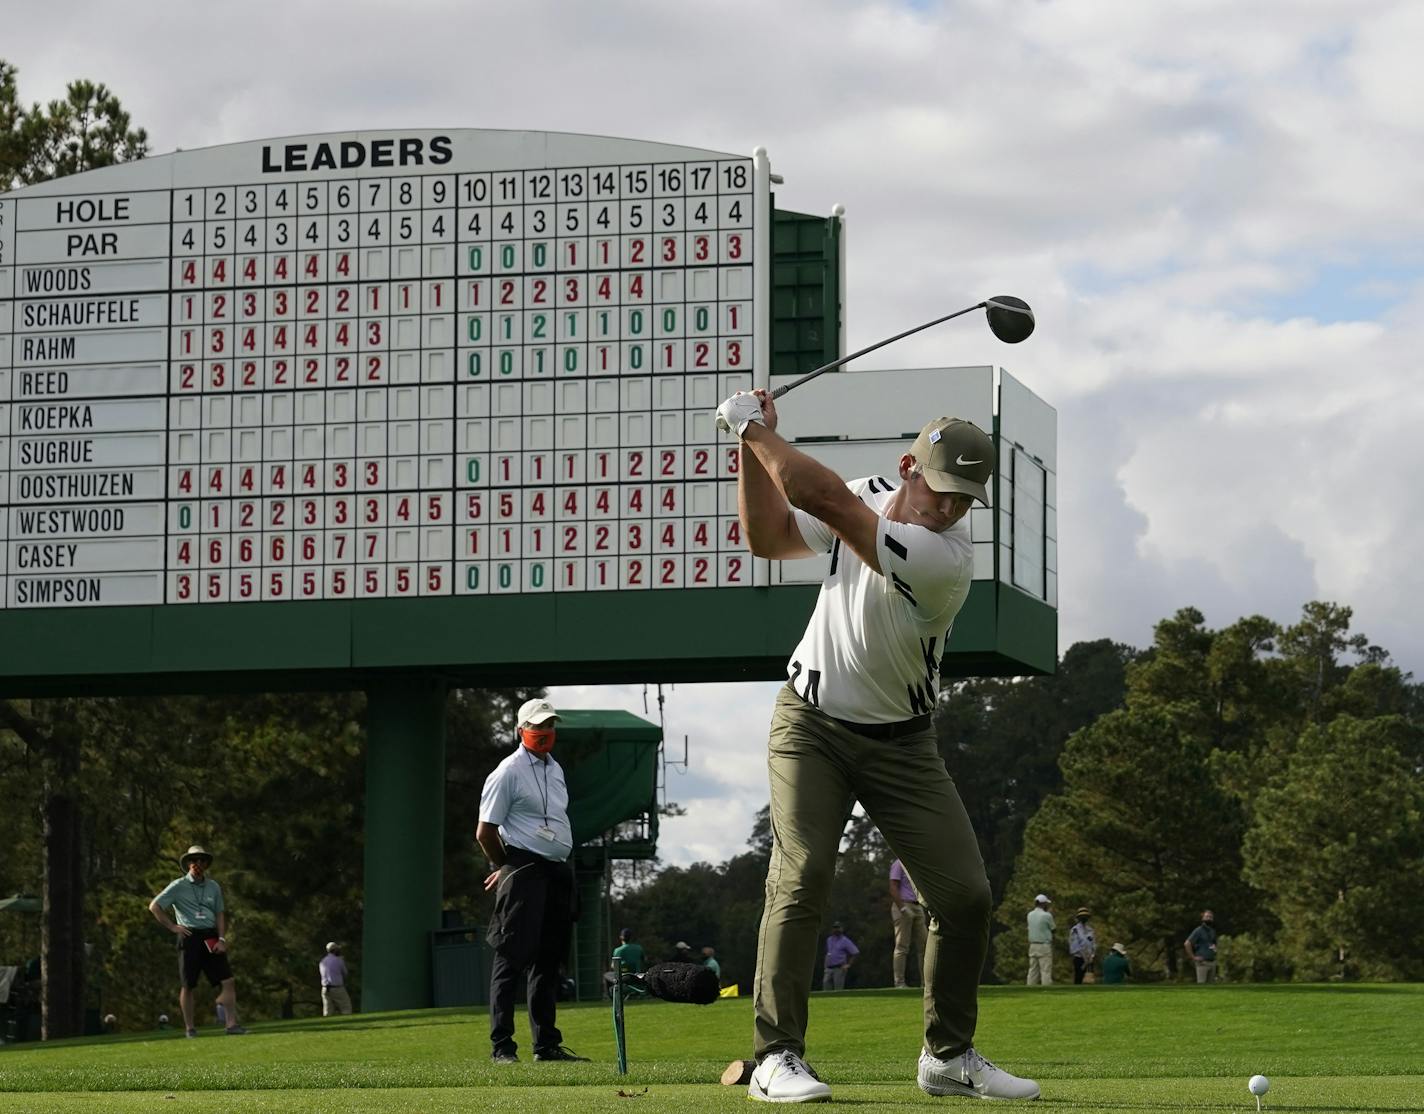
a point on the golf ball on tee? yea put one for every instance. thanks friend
(1259, 1085)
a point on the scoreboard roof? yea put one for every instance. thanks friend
(383, 153)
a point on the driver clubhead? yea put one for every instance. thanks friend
(1010, 318)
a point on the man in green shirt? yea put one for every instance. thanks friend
(630, 952)
(709, 959)
(634, 958)
(1115, 965)
(200, 923)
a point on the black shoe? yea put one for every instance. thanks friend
(505, 1056)
(558, 1052)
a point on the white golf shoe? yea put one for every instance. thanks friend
(785, 1077)
(972, 1075)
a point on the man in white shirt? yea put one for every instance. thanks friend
(333, 974)
(1040, 925)
(524, 832)
(853, 723)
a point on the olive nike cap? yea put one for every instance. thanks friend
(957, 456)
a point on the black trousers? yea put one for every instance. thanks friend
(1079, 969)
(529, 931)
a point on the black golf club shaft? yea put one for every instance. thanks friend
(871, 348)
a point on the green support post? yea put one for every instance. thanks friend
(405, 835)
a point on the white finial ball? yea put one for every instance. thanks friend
(758, 152)
(837, 210)
(1259, 1085)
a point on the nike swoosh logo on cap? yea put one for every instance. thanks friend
(962, 462)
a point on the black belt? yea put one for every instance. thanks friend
(520, 855)
(872, 730)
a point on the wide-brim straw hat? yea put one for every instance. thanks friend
(194, 852)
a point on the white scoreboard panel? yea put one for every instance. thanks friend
(378, 364)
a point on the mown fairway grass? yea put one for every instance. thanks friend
(1095, 1048)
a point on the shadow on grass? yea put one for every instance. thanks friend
(1016, 990)
(1272, 1108)
(349, 1023)
(363, 1022)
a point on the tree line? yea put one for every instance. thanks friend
(1273, 773)
(1270, 773)
(85, 129)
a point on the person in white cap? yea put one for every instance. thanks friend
(853, 723)
(332, 969)
(200, 922)
(525, 834)
(1040, 942)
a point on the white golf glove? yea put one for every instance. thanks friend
(738, 411)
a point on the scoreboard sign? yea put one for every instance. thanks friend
(391, 364)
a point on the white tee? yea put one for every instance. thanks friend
(872, 649)
(527, 798)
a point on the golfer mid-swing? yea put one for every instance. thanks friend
(853, 723)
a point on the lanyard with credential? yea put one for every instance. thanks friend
(544, 789)
(200, 898)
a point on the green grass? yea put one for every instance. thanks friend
(1118, 1049)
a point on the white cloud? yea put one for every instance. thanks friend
(1159, 180)
(724, 782)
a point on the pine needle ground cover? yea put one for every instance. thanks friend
(1092, 1048)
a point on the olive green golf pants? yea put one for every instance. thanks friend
(819, 767)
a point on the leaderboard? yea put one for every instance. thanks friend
(374, 365)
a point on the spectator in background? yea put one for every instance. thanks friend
(1116, 966)
(332, 968)
(1082, 945)
(1200, 947)
(632, 955)
(682, 953)
(200, 922)
(525, 834)
(907, 918)
(1040, 942)
(709, 959)
(840, 954)
(630, 952)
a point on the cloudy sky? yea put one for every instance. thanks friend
(1213, 208)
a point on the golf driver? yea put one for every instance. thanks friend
(1010, 319)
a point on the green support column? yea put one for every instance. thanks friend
(592, 946)
(405, 833)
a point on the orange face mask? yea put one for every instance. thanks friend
(538, 739)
